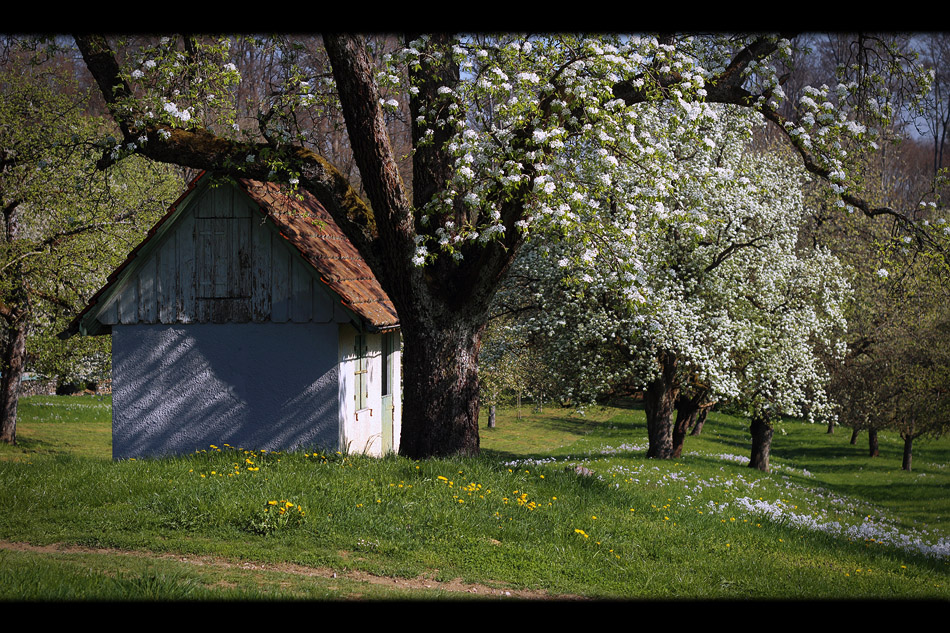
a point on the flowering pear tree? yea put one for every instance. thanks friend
(716, 271)
(508, 134)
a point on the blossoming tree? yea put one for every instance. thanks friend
(495, 123)
(724, 302)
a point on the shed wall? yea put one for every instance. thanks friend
(362, 426)
(180, 388)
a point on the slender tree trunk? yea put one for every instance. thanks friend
(14, 307)
(658, 401)
(908, 450)
(873, 450)
(700, 421)
(687, 410)
(854, 435)
(14, 354)
(831, 427)
(491, 417)
(761, 431)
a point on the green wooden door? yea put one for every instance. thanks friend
(387, 421)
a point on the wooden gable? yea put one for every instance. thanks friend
(226, 253)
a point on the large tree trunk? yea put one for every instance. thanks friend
(873, 450)
(761, 431)
(659, 400)
(440, 388)
(14, 355)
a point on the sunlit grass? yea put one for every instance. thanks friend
(518, 518)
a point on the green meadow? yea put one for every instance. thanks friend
(559, 506)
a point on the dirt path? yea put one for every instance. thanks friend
(422, 583)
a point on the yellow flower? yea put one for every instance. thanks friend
(271, 503)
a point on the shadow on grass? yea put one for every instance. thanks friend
(28, 445)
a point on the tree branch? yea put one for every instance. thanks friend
(201, 149)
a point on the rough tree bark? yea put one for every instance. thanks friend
(873, 450)
(687, 410)
(908, 436)
(14, 311)
(14, 354)
(761, 430)
(854, 435)
(700, 421)
(659, 400)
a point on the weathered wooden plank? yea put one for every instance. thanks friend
(187, 310)
(204, 268)
(322, 303)
(203, 207)
(301, 292)
(243, 208)
(110, 316)
(167, 279)
(129, 303)
(223, 205)
(280, 283)
(221, 257)
(147, 300)
(261, 273)
(243, 257)
(340, 315)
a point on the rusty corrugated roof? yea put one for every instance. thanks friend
(310, 229)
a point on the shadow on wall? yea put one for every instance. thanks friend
(181, 388)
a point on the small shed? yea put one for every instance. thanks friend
(246, 317)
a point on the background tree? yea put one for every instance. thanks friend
(895, 376)
(65, 225)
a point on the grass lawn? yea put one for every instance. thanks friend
(518, 522)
